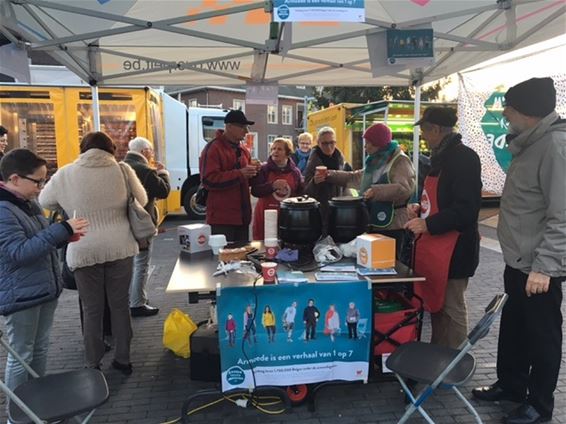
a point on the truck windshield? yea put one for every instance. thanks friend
(209, 126)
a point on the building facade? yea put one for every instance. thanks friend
(283, 120)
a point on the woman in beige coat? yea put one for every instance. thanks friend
(94, 187)
(387, 183)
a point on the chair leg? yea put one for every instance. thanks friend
(468, 405)
(412, 407)
(85, 419)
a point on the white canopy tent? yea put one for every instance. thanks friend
(231, 42)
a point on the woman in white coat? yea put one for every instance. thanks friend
(94, 187)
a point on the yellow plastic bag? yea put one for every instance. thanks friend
(177, 330)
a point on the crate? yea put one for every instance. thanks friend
(392, 329)
(205, 355)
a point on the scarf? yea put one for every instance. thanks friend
(331, 162)
(302, 159)
(374, 162)
(437, 154)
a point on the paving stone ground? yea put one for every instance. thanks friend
(161, 382)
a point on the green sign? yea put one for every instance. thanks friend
(495, 126)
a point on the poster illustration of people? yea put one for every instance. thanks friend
(294, 334)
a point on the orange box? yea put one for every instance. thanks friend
(375, 251)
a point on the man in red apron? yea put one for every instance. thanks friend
(447, 248)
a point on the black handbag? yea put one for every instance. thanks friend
(68, 276)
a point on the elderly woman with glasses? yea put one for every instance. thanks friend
(319, 179)
(302, 154)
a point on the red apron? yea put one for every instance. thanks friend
(271, 202)
(433, 253)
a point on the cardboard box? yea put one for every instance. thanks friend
(375, 251)
(194, 237)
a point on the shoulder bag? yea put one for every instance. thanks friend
(141, 223)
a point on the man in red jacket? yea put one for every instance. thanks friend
(225, 169)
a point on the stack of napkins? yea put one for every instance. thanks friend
(336, 276)
(368, 272)
(291, 277)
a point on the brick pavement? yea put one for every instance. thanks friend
(155, 391)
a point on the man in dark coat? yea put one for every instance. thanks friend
(226, 170)
(447, 252)
(157, 185)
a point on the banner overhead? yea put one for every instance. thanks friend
(319, 11)
(294, 334)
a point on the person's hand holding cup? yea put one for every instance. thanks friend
(249, 171)
(320, 174)
(413, 210)
(256, 162)
(79, 227)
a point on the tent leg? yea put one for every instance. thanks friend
(416, 131)
(95, 107)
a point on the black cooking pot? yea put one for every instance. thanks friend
(299, 220)
(348, 217)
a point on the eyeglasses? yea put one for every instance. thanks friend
(38, 183)
(328, 143)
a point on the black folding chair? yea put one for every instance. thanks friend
(55, 397)
(439, 366)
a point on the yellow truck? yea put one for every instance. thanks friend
(348, 121)
(51, 121)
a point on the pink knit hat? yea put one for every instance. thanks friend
(379, 135)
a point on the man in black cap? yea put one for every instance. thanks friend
(532, 234)
(447, 249)
(225, 169)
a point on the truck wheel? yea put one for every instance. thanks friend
(194, 211)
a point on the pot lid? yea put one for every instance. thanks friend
(347, 199)
(300, 202)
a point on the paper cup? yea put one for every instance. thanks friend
(321, 171)
(217, 241)
(269, 270)
(271, 248)
(74, 237)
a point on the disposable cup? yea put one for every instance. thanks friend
(217, 241)
(321, 171)
(74, 237)
(269, 270)
(271, 247)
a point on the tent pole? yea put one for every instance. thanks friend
(416, 130)
(95, 107)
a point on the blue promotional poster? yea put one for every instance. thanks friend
(294, 334)
(319, 11)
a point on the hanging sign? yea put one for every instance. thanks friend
(410, 45)
(319, 11)
(495, 126)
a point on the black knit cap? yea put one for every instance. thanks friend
(534, 97)
(438, 115)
